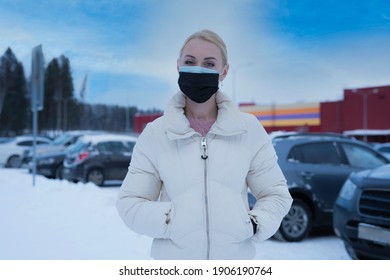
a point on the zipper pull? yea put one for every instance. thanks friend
(203, 146)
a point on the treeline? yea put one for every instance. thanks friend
(62, 110)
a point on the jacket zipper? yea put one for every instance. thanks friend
(204, 156)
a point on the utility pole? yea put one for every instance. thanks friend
(365, 110)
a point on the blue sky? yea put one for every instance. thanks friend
(279, 51)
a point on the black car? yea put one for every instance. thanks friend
(316, 167)
(361, 216)
(99, 158)
(51, 165)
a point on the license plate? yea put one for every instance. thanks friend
(374, 233)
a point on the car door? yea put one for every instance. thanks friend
(117, 158)
(322, 170)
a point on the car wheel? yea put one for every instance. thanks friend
(59, 172)
(296, 225)
(96, 176)
(14, 161)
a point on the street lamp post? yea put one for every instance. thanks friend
(234, 72)
(365, 110)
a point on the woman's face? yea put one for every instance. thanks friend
(198, 52)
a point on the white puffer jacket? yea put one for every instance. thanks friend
(189, 192)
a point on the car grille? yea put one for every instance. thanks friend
(375, 203)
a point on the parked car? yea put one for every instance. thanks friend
(50, 164)
(361, 215)
(11, 150)
(59, 144)
(3, 139)
(98, 158)
(383, 148)
(316, 166)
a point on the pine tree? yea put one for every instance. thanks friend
(2, 84)
(13, 95)
(48, 117)
(67, 91)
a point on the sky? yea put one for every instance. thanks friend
(280, 51)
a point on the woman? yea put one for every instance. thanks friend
(191, 168)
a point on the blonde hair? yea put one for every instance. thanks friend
(211, 37)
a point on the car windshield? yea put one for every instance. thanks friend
(384, 149)
(362, 157)
(71, 148)
(77, 147)
(6, 140)
(62, 139)
(130, 145)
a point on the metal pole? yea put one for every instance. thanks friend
(127, 121)
(37, 84)
(365, 115)
(365, 111)
(35, 126)
(234, 85)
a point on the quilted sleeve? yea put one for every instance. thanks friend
(137, 203)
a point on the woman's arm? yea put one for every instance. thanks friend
(268, 184)
(138, 203)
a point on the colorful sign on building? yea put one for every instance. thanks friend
(291, 116)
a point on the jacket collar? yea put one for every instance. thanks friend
(229, 120)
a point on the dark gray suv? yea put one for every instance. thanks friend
(316, 166)
(361, 215)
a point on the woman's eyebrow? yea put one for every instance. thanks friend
(206, 58)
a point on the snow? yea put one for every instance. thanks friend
(367, 132)
(60, 220)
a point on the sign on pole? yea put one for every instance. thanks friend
(37, 92)
(37, 79)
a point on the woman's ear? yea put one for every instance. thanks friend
(225, 70)
(177, 65)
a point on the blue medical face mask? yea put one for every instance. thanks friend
(197, 69)
(198, 83)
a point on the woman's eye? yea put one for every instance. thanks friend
(209, 64)
(188, 62)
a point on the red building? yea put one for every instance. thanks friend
(140, 121)
(362, 112)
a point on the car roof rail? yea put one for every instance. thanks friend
(310, 134)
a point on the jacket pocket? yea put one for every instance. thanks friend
(245, 218)
(229, 216)
(186, 216)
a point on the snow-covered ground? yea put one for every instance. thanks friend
(59, 220)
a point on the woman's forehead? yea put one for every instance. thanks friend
(201, 48)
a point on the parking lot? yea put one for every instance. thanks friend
(77, 185)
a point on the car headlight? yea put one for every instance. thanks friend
(348, 190)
